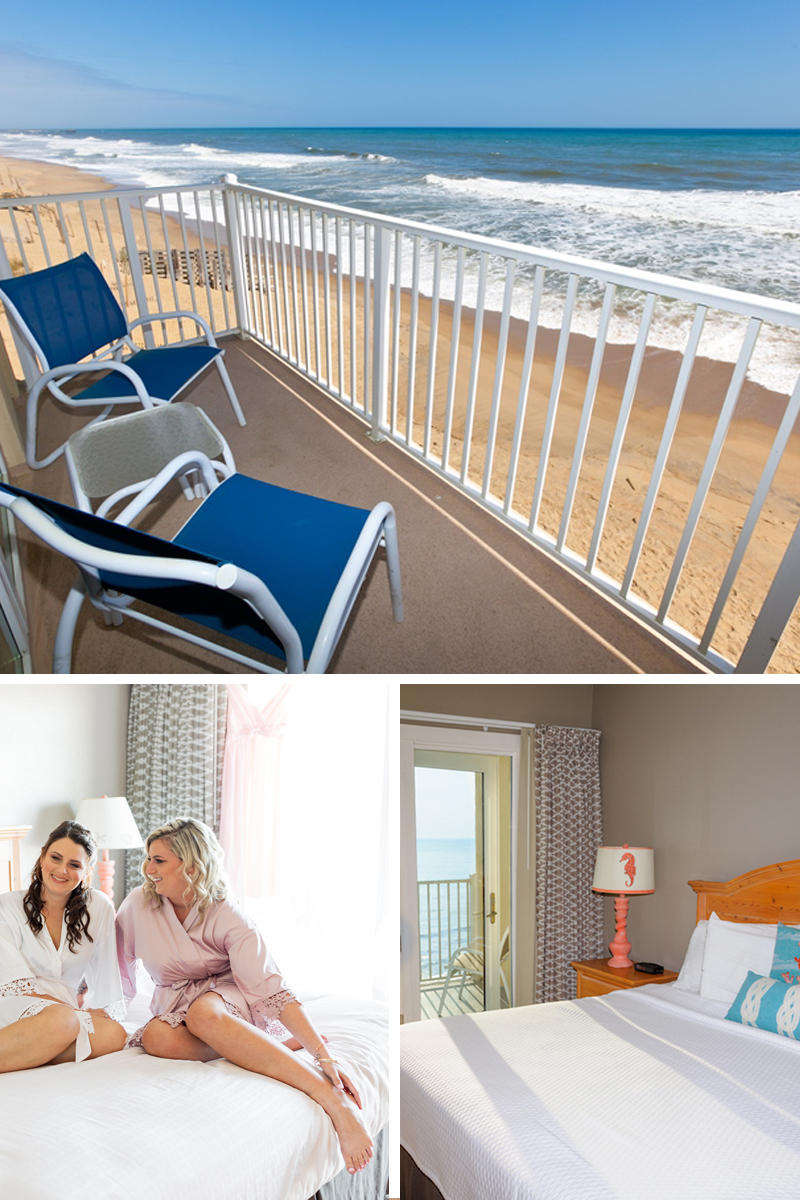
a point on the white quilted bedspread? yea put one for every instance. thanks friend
(636, 1095)
(132, 1127)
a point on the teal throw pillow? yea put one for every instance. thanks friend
(786, 958)
(767, 1003)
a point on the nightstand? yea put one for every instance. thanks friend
(597, 978)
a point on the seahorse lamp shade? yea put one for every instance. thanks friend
(623, 871)
(111, 821)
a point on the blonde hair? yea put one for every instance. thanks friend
(201, 861)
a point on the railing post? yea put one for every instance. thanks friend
(29, 369)
(135, 268)
(380, 332)
(775, 612)
(234, 235)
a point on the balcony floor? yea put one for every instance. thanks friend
(430, 995)
(478, 598)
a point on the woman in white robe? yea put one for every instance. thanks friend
(53, 937)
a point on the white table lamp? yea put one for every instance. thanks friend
(111, 821)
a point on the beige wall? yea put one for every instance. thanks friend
(549, 704)
(709, 775)
(60, 743)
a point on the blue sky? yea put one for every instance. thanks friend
(510, 62)
(445, 803)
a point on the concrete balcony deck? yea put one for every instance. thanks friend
(478, 598)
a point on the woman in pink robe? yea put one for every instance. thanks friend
(218, 991)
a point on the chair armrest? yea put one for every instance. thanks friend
(177, 466)
(70, 370)
(157, 318)
(380, 522)
(152, 566)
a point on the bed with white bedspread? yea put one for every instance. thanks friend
(636, 1095)
(128, 1125)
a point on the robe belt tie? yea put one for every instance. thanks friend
(177, 985)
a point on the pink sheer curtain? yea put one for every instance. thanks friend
(306, 827)
(250, 776)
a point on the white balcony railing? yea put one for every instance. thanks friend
(650, 501)
(445, 914)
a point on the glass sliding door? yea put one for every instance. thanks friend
(457, 877)
(14, 646)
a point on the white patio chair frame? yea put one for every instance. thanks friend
(379, 528)
(193, 488)
(454, 967)
(108, 359)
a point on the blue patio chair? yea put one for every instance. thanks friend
(71, 323)
(276, 570)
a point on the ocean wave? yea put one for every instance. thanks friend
(772, 213)
(364, 154)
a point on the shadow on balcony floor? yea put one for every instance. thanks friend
(478, 598)
(470, 1000)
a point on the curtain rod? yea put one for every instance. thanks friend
(485, 723)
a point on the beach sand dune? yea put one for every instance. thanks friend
(422, 407)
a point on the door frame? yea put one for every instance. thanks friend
(465, 741)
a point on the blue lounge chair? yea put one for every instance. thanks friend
(276, 570)
(71, 323)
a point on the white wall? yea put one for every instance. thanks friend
(59, 744)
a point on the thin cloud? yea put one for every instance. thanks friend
(39, 90)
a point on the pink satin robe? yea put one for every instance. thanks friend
(221, 951)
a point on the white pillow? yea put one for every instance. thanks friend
(691, 972)
(732, 949)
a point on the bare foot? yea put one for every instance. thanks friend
(355, 1142)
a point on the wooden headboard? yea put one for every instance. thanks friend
(765, 896)
(10, 872)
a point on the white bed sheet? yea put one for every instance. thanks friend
(129, 1126)
(638, 1095)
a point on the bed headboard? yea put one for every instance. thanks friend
(765, 896)
(10, 873)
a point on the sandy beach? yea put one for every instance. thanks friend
(744, 454)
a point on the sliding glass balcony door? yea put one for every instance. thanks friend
(456, 875)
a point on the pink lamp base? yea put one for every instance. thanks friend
(620, 946)
(105, 870)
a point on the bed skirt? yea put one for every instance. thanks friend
(413, 1184)
(370, 1184)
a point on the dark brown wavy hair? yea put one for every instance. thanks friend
(76, 912)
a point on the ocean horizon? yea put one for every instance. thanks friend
(717, 206)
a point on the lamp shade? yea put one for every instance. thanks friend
(111, 821)
(624, 870)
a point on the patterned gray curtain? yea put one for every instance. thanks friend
(569, 828)
(176, 739)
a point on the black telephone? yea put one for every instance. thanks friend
(649, 968)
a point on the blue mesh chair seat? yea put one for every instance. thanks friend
(71, 323)
(163, 373)
(273, 569)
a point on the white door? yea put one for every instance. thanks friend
(458, 815)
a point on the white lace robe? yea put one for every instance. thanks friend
(30, 962)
